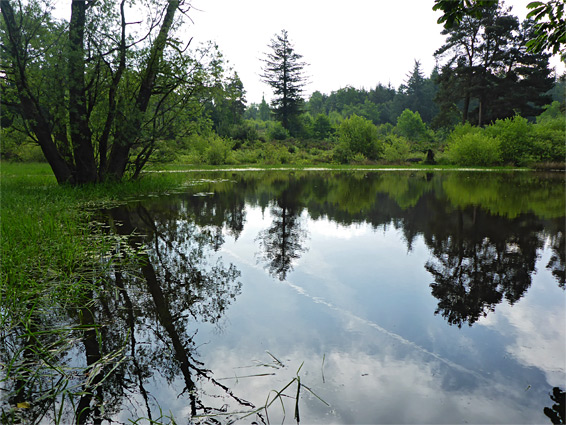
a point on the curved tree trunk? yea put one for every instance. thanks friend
(78, 116)
(129, 129)
(30, 108)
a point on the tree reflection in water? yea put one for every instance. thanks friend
(557, 263)
(478, 261)
(180, 287)
(283, 242)
(130, 335)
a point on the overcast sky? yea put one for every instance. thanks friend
(357, 42)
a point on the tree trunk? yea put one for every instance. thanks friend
(78, 116)
(30, 108)
(130, 127)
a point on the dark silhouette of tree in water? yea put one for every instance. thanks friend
(475, 269)
(283, 242)
(557, 413)
(557, 263)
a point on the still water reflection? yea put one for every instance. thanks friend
(395, 297)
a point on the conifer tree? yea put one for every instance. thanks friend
(283, 71)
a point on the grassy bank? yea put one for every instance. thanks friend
(44, 225)
(51, 265)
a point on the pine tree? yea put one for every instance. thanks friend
(490, 73)
(264, 111)
(283, 71)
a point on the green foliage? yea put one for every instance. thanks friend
(342, 153)
(15, 146)
(411, 126)
(397, 149)
(474, 148)
(277, 131)
(550, 26)
(218, 151)
(549, 138)
(551, 112)
(246, 131)
(283, 71)
(487, 71)
(516, 145)
(273, 154)
(321, 127)
(359, 135)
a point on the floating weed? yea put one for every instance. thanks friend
(276, 359)
(274, 396)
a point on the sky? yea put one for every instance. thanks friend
(357, 43)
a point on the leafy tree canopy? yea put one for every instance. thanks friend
(98, 93)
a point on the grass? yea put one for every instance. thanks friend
(50, 263)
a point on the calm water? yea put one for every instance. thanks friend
(395, 297)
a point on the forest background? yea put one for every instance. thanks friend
(489, 101)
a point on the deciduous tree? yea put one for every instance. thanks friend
(93, 92)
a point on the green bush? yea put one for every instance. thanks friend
(244, 131)
(474, 148)
(359, 135)
(342, 153)
(247, 156)
(548, 137)
(551, 112)
(515, 135)
(277, 131)
(273, 155)
(218, 150)
(359, 158)
(16, 146)
(397, 149)
(164, 152)
(411, 126)
(321, 127)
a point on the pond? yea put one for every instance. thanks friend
(332, 297)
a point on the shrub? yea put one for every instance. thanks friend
(548, 139)
(515, 137)
(277, 131)
(217, 152)
(321, 127)
(397, 149)
(551, 112)
(164, 152)
(474, 148)
(411, 126)
(359, 158)
(276, 155)
(244, 131)
(342, 153)
(359, 135)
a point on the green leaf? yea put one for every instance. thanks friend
(534, 4)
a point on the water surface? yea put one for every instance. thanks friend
(395, 297)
